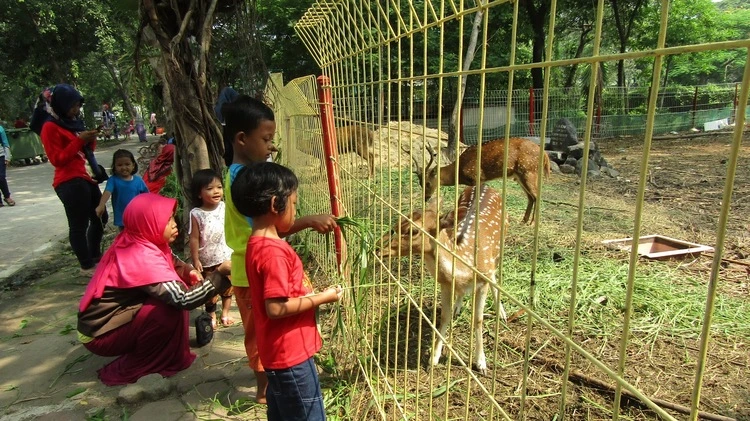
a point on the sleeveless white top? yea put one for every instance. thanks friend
(213, 248)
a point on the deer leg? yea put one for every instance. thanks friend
(446, 305)
(528, 184)
(498, 302)
(480, 361)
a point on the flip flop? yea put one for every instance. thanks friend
(227, 321)
(9, 201)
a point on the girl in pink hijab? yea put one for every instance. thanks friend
(136, 305)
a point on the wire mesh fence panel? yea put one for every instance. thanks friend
(555, 325)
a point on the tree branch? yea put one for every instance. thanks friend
(177, 39)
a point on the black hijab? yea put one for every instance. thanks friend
(64, 97)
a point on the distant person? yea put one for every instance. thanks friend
(124, 185)
(136, 305)
(152, 122)
(159, 169)
(5, 158)
(208, 246)
(282, 298)
(67, 144)
(140, 129)
(129, 129)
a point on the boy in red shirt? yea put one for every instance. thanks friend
(283, 302)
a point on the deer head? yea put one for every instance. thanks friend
(407, 237)
(427, 175)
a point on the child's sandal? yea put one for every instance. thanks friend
(227, 321)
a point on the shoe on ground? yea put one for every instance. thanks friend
(87, 272)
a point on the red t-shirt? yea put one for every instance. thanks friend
(274, 270)
(65, 151)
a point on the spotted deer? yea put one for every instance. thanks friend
(523, 166)
(406, 238)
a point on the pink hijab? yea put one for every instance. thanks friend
(139, 255)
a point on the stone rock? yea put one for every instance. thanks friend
(571, 161)
(610, 172)
(563, 135)
(556, 156)
(592, 168)
(567, 169)
(131, 394)
(152, 387)
(576, 151)
(554, 168)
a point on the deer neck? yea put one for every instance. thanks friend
(447, 174)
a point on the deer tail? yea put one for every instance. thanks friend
(546, 165)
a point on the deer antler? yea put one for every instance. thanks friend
(418, 169)
(432, 152)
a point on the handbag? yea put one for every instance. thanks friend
(98, 172)
(204, 330)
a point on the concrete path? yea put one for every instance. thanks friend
(37, 222)
(46, 374)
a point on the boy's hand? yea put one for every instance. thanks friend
(100, 210)
(333, 294)
(322, 223)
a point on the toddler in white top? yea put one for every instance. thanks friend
(208, 247)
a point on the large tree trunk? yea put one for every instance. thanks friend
(537, 17)
(182, 33)
(624, 23)
(454, 129)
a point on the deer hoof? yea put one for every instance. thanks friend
(435, 359)
(480, 369)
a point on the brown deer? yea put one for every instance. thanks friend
(523, 162)
(353, 138)
(406, 238)
(358, 139)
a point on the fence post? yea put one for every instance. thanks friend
(531, 111)
(330, 153)
(695, 105)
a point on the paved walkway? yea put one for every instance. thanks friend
(46, 374)
(37, 222)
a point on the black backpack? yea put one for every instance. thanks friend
(204, 330)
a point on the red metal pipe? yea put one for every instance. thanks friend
(734, 103)
(531, 111)
(331, 161)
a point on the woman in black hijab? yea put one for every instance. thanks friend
(69, 146)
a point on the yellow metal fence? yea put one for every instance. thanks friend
(585, 337)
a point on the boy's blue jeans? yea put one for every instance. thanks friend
(294, 393)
